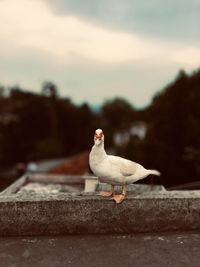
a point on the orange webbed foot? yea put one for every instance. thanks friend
(105, 194)
(118, 198)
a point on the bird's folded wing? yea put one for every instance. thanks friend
(127, 167)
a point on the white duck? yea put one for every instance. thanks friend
(114, 170)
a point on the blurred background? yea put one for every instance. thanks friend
(131, 68)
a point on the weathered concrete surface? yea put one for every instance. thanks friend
(91, 183)
(141, 250)
(133, 188)
(81, 214)
(44, 179)
(41, 188)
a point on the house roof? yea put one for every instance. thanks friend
(76, 165)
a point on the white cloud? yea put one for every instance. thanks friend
(188, 57)
(38, 45)
(30, 24)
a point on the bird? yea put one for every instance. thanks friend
(114, 170)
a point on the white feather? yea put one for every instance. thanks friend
(113, 169)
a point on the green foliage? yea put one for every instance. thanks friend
(1, 91)
(173, 126)
(38, 126)
(49, 89)
(47, 148)
(118, 113)
(192, 155)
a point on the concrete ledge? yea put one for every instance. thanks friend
(26, 214)
(44, 179)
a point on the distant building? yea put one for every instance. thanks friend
(75, 165)
(138, 129)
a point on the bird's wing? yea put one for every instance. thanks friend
(127, 167)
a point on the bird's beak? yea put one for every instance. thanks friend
(98, 137)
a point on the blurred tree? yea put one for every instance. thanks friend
(193, 155)
(118, 115)
(29, 124)
(36, 126)
(49, 89)
(173, 125)
(1, 91)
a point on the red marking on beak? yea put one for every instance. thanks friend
(99, 136)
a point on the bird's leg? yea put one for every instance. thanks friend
(119, 198)
(107, 194)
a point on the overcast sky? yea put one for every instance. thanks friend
(96, 50)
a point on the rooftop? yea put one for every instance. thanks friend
(50, 220)
(60, 206)
(138, 250)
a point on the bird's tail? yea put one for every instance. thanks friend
(154, 172)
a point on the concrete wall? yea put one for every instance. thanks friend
(28, 214)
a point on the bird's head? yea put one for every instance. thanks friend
(98, 137)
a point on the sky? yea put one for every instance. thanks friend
(97, 50)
